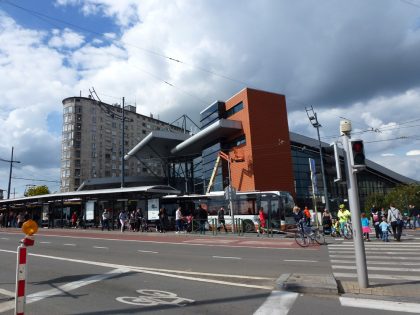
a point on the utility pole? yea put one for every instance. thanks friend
(123, 147)
(353, 193)
(314, 121)
(11, 161)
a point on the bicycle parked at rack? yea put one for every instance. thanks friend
(306, 235)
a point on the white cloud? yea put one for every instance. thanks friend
(65, 39)
(413, 153)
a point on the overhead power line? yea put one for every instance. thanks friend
(37, 180)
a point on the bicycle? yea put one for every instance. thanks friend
(347, 231)
(307, 235)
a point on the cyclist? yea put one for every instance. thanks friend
(344, 216)
(298, 215)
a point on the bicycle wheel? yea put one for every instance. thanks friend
(319, 238)
(302, 239)
(348, 234)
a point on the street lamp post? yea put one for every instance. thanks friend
(314, 121)
(123, 146)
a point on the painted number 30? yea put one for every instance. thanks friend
(154, 297)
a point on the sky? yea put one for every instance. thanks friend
(357, 60)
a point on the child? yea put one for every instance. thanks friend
(335, 229)
(384, 228)
(365, 227)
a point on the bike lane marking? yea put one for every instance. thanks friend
(38, 296)
(150, 297)
(278, 303)
(382, 305)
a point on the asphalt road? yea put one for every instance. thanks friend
(171, 274)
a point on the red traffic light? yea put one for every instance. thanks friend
(358, 154)
(358, 147)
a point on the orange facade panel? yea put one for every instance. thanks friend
(267, 161)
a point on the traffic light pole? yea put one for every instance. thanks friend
(353, 193)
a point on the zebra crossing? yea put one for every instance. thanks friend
(385, 261)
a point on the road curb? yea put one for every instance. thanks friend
(324, 284)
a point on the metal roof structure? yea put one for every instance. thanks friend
(196, 143)
(297, 138)
(145, 190)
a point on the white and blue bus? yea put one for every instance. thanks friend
(277, 207)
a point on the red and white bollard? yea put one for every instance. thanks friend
(20, 294)
(20, 298)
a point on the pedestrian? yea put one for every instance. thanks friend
(178, 220)
(123, 219)
(202, 219)
(73, 220)
(105, 219)
(365, 226)
(384, 228)
(261, 216)
(138, 216)
(221, 219)
(162, 220)
(1, 219)
(326, 222)
(20, 220)
(415, 214)
(376, 220)
(394, 216)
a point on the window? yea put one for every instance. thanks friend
(238, 107)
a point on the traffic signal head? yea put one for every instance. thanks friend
(358, 154)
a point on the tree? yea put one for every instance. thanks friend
(401, 196)
(37, 190)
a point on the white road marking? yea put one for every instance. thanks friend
(162, 272)
(380, 305)
(147, 251)
(4, 238)
(376, 262)
(377, 276)
(300, 260)
(370, 245)
(378, 257)
(100, 247)
(373, 252)
(7, 292)
(38, 296)
(278, 303)
(383, 249)
(69, 244)
(225, 257)
(45, 242)
(378, 268)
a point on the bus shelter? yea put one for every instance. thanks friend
(56, 210)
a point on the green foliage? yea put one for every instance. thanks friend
(401, 196)
(37, 190)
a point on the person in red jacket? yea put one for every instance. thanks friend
(307, 216)
(261, 216)
(73, 219)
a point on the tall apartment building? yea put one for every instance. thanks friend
(92, 141)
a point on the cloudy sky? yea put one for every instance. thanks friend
(358, 60)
